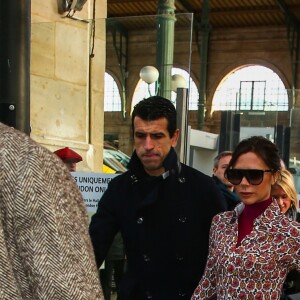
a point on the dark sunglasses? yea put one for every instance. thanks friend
(255, 177)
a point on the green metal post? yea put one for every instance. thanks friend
(205, 29)
(165, 45)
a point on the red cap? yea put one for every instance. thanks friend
(68, 154)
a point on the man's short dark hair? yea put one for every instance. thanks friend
(154, 108)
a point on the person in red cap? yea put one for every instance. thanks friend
(69, 157)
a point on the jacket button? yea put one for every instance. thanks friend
(181, 180)
(182, 219)
(146, 258)
(140, 220)
(148, 295)
(179, 258)
(181, 294)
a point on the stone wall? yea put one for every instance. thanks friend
(67, 83)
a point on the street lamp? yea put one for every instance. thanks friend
(150, 75)
(178, 82)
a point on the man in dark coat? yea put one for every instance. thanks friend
(163, 209)
(221, 162)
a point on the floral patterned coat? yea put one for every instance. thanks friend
(257, 268)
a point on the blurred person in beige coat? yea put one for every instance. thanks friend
(45, 250)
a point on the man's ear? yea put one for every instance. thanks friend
(175, 138)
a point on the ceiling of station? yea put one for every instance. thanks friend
(223, 13)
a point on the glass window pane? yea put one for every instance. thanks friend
(251, 88)
(112, 98)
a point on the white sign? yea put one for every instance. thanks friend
(92, 187)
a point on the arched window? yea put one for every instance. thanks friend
(143, 90)
(251, 88)
(112, 98)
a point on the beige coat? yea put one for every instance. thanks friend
(45, 249)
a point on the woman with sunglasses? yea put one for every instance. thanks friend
(284, 192)
(253, 247)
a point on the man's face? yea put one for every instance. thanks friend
(152, 143)
(219, 171)
(71, 165)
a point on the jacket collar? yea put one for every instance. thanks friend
(171, 165)
(229, 196)
(271, 211)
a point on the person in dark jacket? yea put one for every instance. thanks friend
(162, 208)
(114, 267)
(221, 162)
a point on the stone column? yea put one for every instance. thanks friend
(165, 45)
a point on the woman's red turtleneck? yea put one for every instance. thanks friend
(247, 217)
